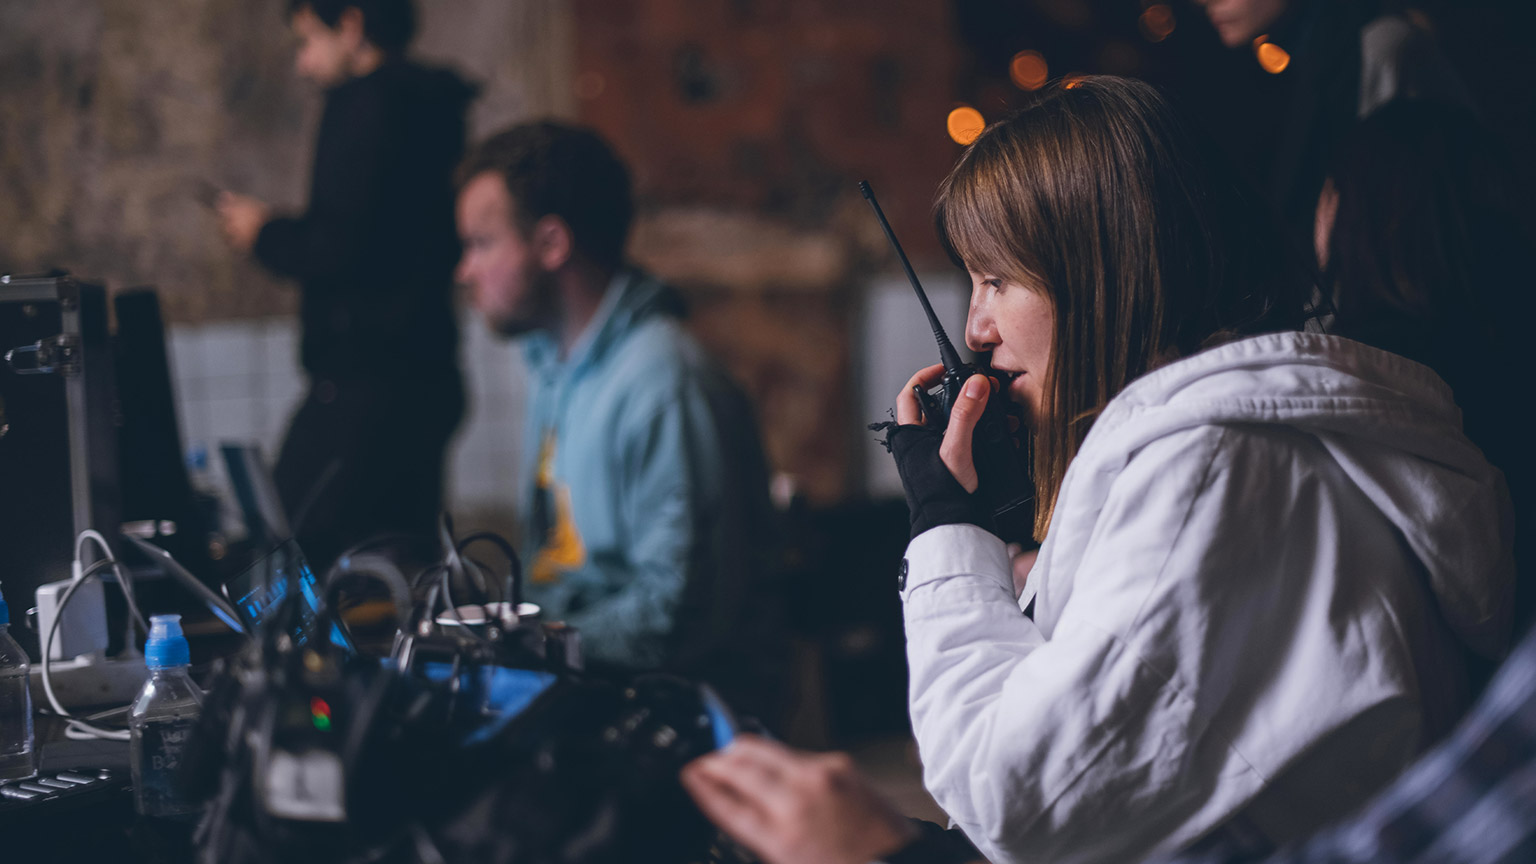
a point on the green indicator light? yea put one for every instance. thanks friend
(322, 722)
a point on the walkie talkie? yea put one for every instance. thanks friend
(1002, 479)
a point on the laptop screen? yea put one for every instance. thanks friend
(257, 593)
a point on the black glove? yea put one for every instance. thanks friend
(934, 496)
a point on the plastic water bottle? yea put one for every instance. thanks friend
(162, 720)
(18, 757)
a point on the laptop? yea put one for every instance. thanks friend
(253, 596)
(258, 591)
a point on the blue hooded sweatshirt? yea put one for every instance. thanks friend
(647, 524)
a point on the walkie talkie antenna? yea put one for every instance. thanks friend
(947, 353)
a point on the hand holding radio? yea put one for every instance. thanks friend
(964, 408)
(954, 445)
(937, 469)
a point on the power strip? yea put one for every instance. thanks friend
(91, 680)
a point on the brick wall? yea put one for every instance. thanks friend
(748, 124)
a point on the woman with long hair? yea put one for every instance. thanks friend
(1267, 554)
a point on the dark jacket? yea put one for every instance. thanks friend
(375, 251)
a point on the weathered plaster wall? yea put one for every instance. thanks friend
(114, 114)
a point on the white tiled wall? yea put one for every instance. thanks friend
(896, 342)
(241, 381)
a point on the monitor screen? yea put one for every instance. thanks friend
(257, 592)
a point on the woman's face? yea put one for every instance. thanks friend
(1016, 323)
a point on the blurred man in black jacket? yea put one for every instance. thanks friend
(374, 254)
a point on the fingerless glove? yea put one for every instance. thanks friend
(934, 496)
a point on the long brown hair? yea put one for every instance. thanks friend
(1148, 246)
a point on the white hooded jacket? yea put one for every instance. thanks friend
(1252, 609)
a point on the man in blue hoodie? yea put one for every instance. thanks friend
(645, 490)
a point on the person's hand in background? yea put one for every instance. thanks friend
(792, 807)
(241, 218)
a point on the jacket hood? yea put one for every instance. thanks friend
(632, 297)
(1391, 424)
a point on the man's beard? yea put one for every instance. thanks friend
(539, 313)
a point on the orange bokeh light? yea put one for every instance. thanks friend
(965, 123)
(1028, 70)
(1272, 57)
(1072, 81)
(1156, 22)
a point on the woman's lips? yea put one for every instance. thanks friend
(1015, 386)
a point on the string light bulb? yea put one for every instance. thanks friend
(1272, 58)
(1028, 70)
(965, 123)
(1157, 22)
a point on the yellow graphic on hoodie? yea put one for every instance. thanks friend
(562, 548)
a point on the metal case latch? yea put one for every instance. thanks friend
(59, 354)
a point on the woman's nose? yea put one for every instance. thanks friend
(980, 332)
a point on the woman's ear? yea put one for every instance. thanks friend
(552, 242)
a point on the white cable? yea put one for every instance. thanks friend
(124, 584)
(76, 729)
(101, 543)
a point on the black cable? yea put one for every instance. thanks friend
(453, 610)
(399, 593)
(451, 556)
(126, 582)
(514, 585)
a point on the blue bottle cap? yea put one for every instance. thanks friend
(167, 647)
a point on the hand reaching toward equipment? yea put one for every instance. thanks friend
(791, 807)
